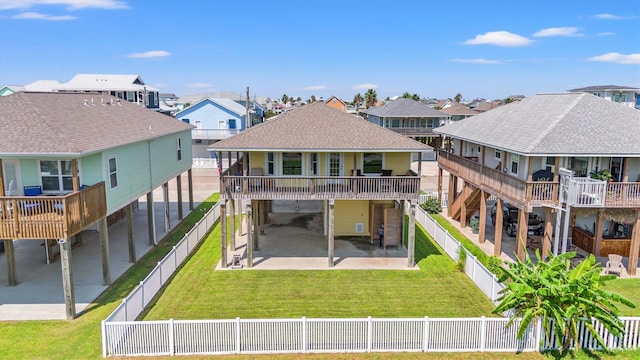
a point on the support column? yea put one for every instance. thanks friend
(104, 251)
(239, 208)
(10, 255)
(635, 246)
(483, 217)
(179, 191)
(450, 196)
(256, 224)
(420, 164)
(463, 213)
(440, 185)
(232, 214)
(249, 237)
(223, 234)
(521, 237)
(597, 232)
(67, 278)
(263, 215)
(548, 232)
(130, 237)
(402, 215)
(151, 219)
(330, 240)
(190, 181)
(497, 237)
(411, 240)
(167, 215)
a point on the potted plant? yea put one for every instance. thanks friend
(603, 174)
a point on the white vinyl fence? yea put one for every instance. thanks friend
(123, 336)
(434, 195)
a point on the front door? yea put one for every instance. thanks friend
(336, 168)
(12, 180)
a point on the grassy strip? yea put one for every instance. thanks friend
(81, 338)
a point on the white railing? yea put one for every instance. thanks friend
(204, 163)
(434, 195)
(213, 134)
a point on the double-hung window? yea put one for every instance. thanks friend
(56, 175)
(179, 149)
(372, 163)
(113, 173)
(292, 163)
(515, 160)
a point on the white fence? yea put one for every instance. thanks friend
(122, 336)
(478, 273)
(204, 163)
(434, 195)
(133, 305)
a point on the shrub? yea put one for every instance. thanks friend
(432, 206)
(462, 259)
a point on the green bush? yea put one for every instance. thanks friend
(432, 206)
(462, 260)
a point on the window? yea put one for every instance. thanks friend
(113, 173)
(395, 123)
(334, 164)
(619, 97)
(550, 164)
(179, 148)
(271, 164)
(56, 175)
(579, 165)
(314, 164)
(372, 163)
(291, 163)
(498, 155)
(515, 159)
(131, 96)
(232, 123)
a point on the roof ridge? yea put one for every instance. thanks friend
(553, 124)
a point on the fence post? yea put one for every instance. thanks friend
(126, 315)
(369, 333)
(539, 335)
(425, 341)
(103, 326)
(304, 334)
(483, 333)
(142, 297)
(238, 335)
(171, 338)
(493, 287)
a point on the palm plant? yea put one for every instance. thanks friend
(357, 100)
(561, 297)
(371, 97)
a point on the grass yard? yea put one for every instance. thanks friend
(437, 290)
(629, 288)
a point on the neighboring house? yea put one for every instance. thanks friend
(443, 104)
(626, 95)
(515, 152)
(10, 89)
(214, 119)
(336, 103)
(407, 117)
(357, 173)
(127, 87)
(458, 112)
(67, 163)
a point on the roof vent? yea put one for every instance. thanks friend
(86, 102)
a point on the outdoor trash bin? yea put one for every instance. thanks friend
(474, 222)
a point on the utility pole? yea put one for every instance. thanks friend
(247, 120)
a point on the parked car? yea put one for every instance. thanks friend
(510, 221)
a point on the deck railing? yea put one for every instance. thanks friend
(413, 130)
(321, 187)
(623, 194)
(51, 217)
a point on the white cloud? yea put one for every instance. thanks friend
(314, 87)
(199, 85)
(499, 38)
(558, 31)
(617, 58)
(607, 33)
(70, 4)
(365, 86)
(609, 17)
(149, 54)
(39, 16)
(477, 61)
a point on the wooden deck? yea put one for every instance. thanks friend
(529, 194)
(51, 217)
(321, 188)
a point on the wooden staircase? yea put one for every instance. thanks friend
(470, 196)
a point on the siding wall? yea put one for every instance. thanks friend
(349, 212)
(210, 114)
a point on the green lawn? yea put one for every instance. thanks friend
(436, 290)
(629, 288)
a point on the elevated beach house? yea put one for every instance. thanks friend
(70, 161)
(516, 152)
(359, 172)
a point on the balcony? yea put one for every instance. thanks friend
(584, 192)
(213, 134)
(321, 187)
(413, 131)
(51, 217)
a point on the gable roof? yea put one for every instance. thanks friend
(76, 124)
(554, 124)
(403, 107)
(226, 103)
(459, 109)
(605, 88)
(337, 98)
(105, 82)
(42, 85)
(318, 127)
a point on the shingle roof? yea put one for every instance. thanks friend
(403, 107)
(61, 123)
(604, 87)
(560, 124)
(105, 82)
(224, 102)
(459, 109)
(319, 127)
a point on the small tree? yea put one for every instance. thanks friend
(561, 297)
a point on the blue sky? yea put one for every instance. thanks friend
(489, 49)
